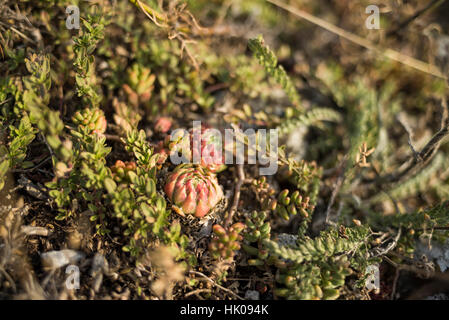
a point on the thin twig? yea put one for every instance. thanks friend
(151, 13)
(390, 247)
(18, 32)
(196, 292)
(154, 16)
(395, 203)
(427, 152)
(430, 6)
(336, 188)
(9, 99)
(113, 137)
(407, 128)
(216, 284)
(235, 203)
(395, 283)
(425, 273)
(40, 164)
(433, 228)
(52, 154)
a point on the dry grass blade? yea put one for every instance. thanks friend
(386, 52)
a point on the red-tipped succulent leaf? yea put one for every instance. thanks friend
(193, 190)
(162, 124)
(206, 145)
(93, 120)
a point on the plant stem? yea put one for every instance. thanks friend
(148, 10)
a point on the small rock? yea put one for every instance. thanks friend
(74, 240)
(438, 253)
(32, 189)
(99, 266)
(57, 259)
(438, 296)
(288, 240)
(206, 229)
(252, 295)
(35, 231)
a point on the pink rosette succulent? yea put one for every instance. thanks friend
(193, 190)
(207, 147)
(162, 124)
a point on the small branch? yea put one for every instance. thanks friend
(216, 284)
(336, 190)
(52, 154)
(390, 247)
(216, 87)
(18, 32)
(433, 229)
(40, 164)
(235, 203)
(196, 292)
(170, 23)
(407, 129)
(432, 5)
(395, 283)
(151, 13)
(421, 272)
(113, 137)
(7, 100)
(395, 203)
(427, 152)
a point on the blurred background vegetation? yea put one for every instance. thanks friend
(362, 135)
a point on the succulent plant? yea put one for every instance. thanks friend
(121, 170)
(258, 229)
(125, 116)
(305, 177)
(162, 150)
(139, 86)
(162, 124)
(93, 121)
(165, 148)
(326, 282)
(209, 150)
(264, 193)
(199, 146)
(193, 190)
(288, 206)
(226, 242)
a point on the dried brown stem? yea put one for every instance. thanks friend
(238, 186)
(216, 284)
(336, 189)
(426, 153)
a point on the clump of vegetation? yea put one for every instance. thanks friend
(91, 119)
